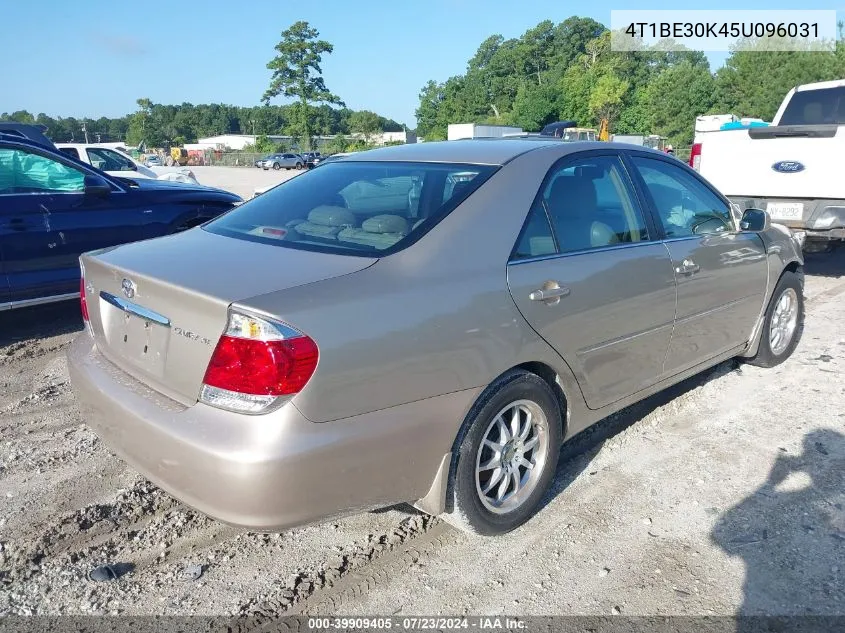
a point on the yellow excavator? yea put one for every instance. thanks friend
(178, 156)
(604, 132)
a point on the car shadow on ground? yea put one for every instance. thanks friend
(578, 452)
(790, 534)
(39, 322)
(825, 264)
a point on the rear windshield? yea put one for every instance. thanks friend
(815, 107)
(355, 208)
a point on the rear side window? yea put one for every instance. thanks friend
(70, 151)
(815, 107)
(356, 208)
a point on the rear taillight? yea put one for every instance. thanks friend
(695, 157)
(257, 364)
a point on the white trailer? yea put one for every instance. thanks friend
(458, 131)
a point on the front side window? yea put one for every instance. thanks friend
(590, 205)
(108, 160)
(26, 172)
(685, 206)
(356, 208)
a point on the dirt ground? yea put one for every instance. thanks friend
(724, 494)
(241, 180)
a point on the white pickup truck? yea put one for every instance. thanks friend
(792, 168)
(117, 163)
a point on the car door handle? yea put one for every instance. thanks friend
(687, 267)
(547, 293)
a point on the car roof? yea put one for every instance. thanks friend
(23, 140)
(481, 151)
(30, 131)
(81, 145)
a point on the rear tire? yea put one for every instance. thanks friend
(505, 464)
(783, 322)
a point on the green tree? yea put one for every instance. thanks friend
(297, 73)
(429, 112)
(606, 98)
(533, 107)
(676, 96)
(753, 83)
(366, 123)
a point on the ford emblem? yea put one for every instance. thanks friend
(788, 166)
(128, 287)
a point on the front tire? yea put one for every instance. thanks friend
(783, 322)
(508, 456)
(299, 165)
(277, 166)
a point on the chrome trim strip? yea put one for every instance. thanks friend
(585, 251)
(26, 303)
(134, 308)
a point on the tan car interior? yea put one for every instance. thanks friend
(364, 226)
(582, 220)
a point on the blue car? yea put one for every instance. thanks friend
(54, 208)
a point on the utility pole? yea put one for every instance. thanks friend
(85, 130)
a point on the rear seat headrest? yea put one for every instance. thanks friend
(331, 216)
(385, 224)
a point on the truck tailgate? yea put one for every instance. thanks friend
(793, 162)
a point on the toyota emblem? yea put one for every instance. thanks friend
(128, 287)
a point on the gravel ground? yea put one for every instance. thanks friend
(725, 493)
(241, 180)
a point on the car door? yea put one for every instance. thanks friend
(50, 221)
(590, 277)
(721, 272)
(5, 295)
(31, 185)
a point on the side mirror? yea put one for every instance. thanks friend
(755, 220)
(96, 187)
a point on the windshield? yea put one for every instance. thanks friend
(356, 208)
(815, 107)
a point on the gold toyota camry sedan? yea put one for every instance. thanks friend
(424, 323)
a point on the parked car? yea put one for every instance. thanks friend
(152, 161)
(312, 159)
(30, 131)
(333, 157)
(288, 161)
(435, 348)
(790, 168)
(117, 163)
(260, 162)
(55, 207)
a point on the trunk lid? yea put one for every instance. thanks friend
(157, 308)
(791, 162)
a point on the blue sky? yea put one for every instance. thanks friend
(97, 57)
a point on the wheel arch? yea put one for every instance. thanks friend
(438, 498)
(794, 266)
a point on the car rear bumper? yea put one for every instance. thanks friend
(822, 219)
(266, 472)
